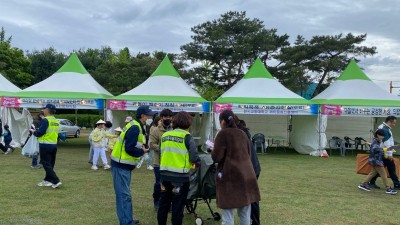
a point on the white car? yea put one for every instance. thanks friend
(69, 128)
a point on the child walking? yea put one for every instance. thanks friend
(7, 139)
(99, 140)
(375, 159)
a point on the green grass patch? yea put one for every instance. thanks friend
(296, 189)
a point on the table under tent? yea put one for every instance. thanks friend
(163, 89)
(71, 87)
(350, 110)
(17, 121)
(266, 106)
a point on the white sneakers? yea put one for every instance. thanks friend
(49, 184)
(106, 167)
(44, 184)
(150, 167)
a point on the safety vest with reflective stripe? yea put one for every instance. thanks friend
(119, 154)
(174, 156)
(51, 135)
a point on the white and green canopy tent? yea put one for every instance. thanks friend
(71, 87)
(353, 102)
(17, 121)
(163, 89)
(264, 103)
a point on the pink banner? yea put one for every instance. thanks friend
(219, 107)
(331, 110)
(10, 102)
(116, 104)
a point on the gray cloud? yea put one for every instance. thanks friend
(146, 26)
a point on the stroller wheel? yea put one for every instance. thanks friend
(216, 216)
(199, 221)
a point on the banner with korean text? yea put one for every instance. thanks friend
(267, 109)
(369, 111)
(158, 106)
(13, 102)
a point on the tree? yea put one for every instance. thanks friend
(231, 43)
(325, 56)
(44, 63)
(13, 64)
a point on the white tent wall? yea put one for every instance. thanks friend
(19, 124)
(272, 126)
(341, 126)
(304, 137)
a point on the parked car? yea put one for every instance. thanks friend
(69, 128)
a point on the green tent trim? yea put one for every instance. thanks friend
(165, 69)
(358, 102)
(266, 101)
(160, 98)
(63, 95)
(73, 65)
(258, 70)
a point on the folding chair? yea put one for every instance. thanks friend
(259, 141)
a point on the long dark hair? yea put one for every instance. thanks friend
(229, 118)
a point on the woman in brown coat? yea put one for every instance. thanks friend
(236, 180)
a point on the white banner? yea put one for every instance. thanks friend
(158, 106)
(266, 109)
(12, 102)
(360, 111)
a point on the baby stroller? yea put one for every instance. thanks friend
(202, 187)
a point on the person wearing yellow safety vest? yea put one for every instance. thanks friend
(125, 155)
(48, 136)
(178, 152)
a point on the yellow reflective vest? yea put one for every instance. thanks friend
(51, 135)
(174, 156)
(119, 154)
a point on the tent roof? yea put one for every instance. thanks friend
(259, 87)
(70, 81)
(7, 88)
(165, 85)
(354, 88)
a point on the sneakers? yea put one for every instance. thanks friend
(56, 185)
(150, 167)
(391, 191)
(44, 184)
(374, 186)
(8, 151)
(94, 168)
(364, 187)
(106, 167)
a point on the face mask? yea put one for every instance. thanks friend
(167, 122)
(149, 121)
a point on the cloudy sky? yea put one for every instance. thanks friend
(149, 25)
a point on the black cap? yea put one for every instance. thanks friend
(50, 107)
(144, 109)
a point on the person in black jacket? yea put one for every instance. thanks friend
(7, 138)
(255, 207)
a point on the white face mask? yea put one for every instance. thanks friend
(149, 121)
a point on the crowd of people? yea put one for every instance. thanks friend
(171, 153)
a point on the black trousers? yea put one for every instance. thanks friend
(48, 154)
(391, 167)
(3, 148)
(255, 213)
(178, 201)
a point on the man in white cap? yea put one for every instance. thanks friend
(99, 140)
(48, 136)
(126, 154)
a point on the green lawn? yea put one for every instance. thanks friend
(296, 189)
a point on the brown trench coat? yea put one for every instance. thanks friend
(238, 185)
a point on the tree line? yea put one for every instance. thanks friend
(221, 50)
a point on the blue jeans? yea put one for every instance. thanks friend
(122, 181)
(157, 186)
(150, 159)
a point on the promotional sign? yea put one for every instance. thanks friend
(265, 109)
(158, 106)
(359, 110)
(12, 102)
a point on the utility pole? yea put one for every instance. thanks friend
(391, 87)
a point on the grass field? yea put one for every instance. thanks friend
(296, 189)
